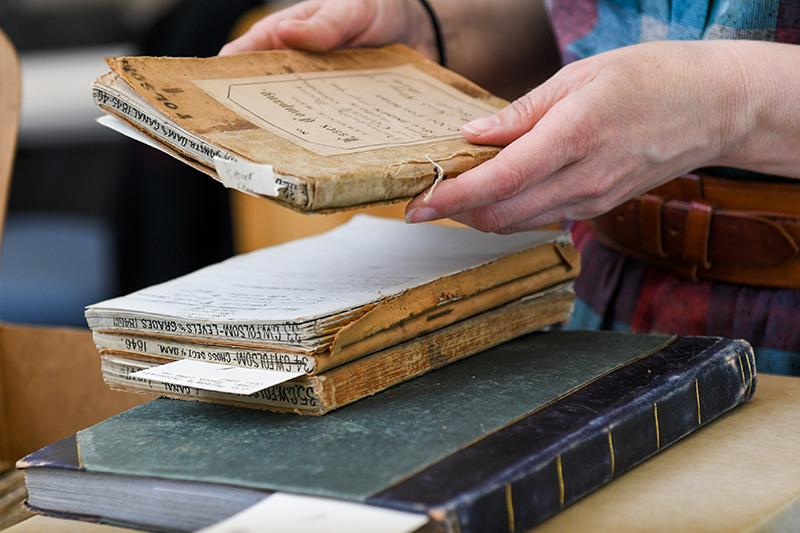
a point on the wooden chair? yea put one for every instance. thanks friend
(9, 119)
(50, 382)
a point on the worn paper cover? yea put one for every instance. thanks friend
(353, 127)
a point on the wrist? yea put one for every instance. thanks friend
(741, 101)
(422, 34)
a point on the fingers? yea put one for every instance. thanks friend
(559, 214)
(538, 207)
(578, 191)
(515, 119)
(556, 216)
(537, 199)
(580, 210)
(329, 27)
(263, 35)
(549, 217)
(312, 26)
(551, 145)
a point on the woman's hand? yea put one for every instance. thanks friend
(322, 25)
(599, 132)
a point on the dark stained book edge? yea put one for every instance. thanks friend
(570, 449)
(63, 454)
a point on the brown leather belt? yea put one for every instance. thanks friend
(705, 227)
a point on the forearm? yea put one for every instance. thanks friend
(505, 45)
(764, 135)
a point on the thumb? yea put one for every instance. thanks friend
(514, 120)
(331, 26)
(263, 35)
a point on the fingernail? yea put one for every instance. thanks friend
(480, 126)
(421, 214)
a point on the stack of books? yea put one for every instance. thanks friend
(495, 442)
(315, 324)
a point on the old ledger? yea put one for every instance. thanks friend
(314, 324)
(496, 442)
(316, 132)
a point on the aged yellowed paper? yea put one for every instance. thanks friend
(348, 111)
(216, 376)
(410, 118)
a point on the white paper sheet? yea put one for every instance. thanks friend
(120, 126)
(215, 377)
(288, 513)
(355, 264)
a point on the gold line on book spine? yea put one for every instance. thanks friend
(510, 508)
(560, 473)
(611, 451)
(79, 454)
(741, 368)
(749, 373)
(658, 433)
(697, 396)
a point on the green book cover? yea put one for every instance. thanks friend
(536, 414)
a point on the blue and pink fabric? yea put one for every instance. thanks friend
(615, 292)
(588, 27)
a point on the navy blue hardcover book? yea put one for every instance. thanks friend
(497, 442)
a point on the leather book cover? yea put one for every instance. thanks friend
(496, 442)
(326, 131)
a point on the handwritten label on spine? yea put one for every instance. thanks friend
(252, 178)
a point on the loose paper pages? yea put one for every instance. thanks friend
(349, 111)
(360, 262)
(288, 513)
(216, 377)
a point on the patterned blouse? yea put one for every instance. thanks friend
(588, 27)
(618, 293)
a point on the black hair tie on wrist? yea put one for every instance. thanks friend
(437, 30)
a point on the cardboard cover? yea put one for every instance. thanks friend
(169, 86)
(50, 383)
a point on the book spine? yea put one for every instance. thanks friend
(162, 350)
(637, 428)
(244, 333)
(160, 127)
(288, 188)
(369, 375)
(290, 396)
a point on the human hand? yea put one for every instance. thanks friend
(322, 25)
(599, 132)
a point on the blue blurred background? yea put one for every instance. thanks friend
(92, 214)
